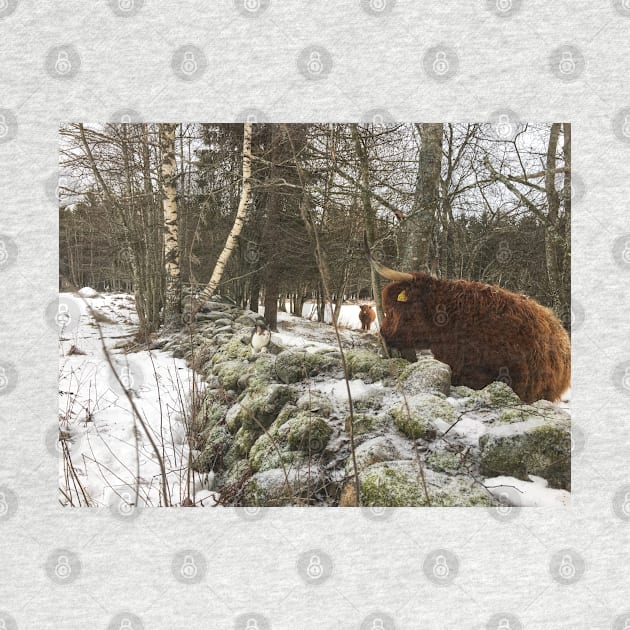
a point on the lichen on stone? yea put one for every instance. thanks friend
(369, 366)
(416, 417)
(496, 394)
(292, 366)
(260, 407)
(363, 423)
(378, 449)
(231, 350)
(399, 484)
(309, 433)
(444, 461)
(229, 372)
(268, 453)
(538, 446)
(315, 402)
(426, 375)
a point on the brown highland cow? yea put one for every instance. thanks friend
(366, 316)
(484, 333)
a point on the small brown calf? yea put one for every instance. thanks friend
(367, 316)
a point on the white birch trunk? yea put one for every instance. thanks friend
(239, 221)
(172, 306)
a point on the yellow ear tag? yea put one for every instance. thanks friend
(402, 297)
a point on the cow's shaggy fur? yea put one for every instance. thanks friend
(484, 333)
(366, 316)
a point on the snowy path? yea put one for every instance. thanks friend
(108, 446)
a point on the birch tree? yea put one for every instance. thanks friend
(172, 302)
(239, 221)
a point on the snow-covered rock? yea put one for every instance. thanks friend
(89, 292)
(539, 445)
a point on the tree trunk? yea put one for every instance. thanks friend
(271, 302)
(239, 221)
(172, 302)
(254, 294)
(155, 239)
(418, 229)
(552, 241)
(370, 215)
(273, 200)
(565, 219)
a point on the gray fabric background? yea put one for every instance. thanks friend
(505, 570)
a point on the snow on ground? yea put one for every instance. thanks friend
(310, 335)
(534, 493)
(358, 389)
(348, 316)
(110, 449)
(107, 444)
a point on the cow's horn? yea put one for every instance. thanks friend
(386, 272)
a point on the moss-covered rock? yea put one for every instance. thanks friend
(262, 452)
(538, 446)
(243, 441)
(230, 372)
(263, 370)
(444, 461)
(363, 423)
(461, 391)
(426, 375)
(292, 366)
(309, 433)
(386, 370)
(327, 359)
(315, 402)
(371, 403)
(260, 407)
(279, 426)
(497, 394)
(233, 349)
(216, 303)
(378, 449)
(392, 485)
(223, 321)
(359, 362)
(271, 452)
(217, 443)
(222, 338)
(520, 413)
(416, 418)
(233, 418)
(370, 367)
(214, 316)
(278, 487)
(399, 484)
(245, 380)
